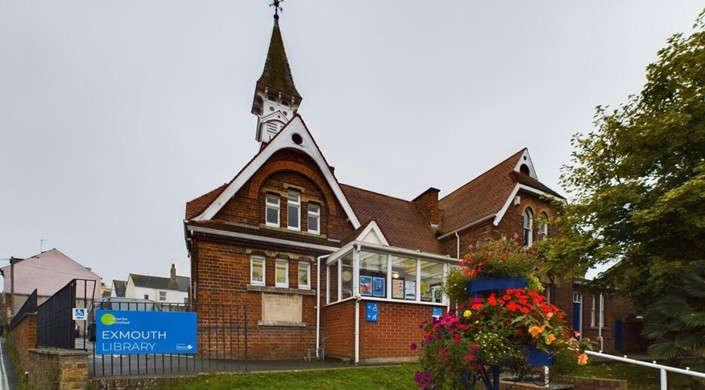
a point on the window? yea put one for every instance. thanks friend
(272, 210)
(293, 210)
(543, 226)
(592, 312)
(314, 218)
(162, 296)
(281, 273)
(257, 271)
(404, 273)
(332, 278)
(373, 274)
(146, 296)
(304, 275)
(528, 223)
(431, 287)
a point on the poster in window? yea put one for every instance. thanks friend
(410, 290)
(425, 292)
(366, 285)
(398, 288)
(437, 293)
(378, 287)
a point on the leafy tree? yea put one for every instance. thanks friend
(637, 188)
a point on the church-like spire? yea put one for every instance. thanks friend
(276, 98)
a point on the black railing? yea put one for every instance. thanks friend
(29, 306)
(55, 324)
(221, 345)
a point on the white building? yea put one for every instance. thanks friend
(173, 289)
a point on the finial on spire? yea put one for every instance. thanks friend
(277, 8)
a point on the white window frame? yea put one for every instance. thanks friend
(592, 313)
(162, 292)
(316, 215)
(286, 273)
(272, 206)
(263, 282)
(307, 266)
(293, 204)
(528, 221)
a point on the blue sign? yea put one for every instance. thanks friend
(437, 312)
(372, 312)
(139, 332)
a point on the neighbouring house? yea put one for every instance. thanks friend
(118, 288)
(46, 272)
(322, 263)
(172, 289)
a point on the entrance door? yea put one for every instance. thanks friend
(578, 313)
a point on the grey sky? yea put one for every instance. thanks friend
(113, 114)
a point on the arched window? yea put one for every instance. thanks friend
(543, 226)
(528, 223)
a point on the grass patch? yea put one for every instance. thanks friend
(387, 377)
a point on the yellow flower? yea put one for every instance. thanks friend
(535, 330)
(582, 359)
(551, 337)
(467, 313)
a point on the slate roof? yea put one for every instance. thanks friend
(180, 284)
(276, 73)
(401, 221)
(119, 286)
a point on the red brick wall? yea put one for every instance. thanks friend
(24, 336)
(393, 333)
(223, 278)
(340, 329)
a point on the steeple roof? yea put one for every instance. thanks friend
(276, 74)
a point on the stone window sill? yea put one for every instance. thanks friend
(281, 323)
(279, 290)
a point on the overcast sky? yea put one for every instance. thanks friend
(114, 114)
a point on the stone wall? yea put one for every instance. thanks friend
(60, 369)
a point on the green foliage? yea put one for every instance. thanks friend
(637, 185)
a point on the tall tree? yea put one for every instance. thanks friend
(637, 189)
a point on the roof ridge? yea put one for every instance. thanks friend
(483, 174)
(377, 193)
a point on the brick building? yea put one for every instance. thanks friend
(319, 262)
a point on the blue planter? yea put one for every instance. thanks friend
(488, 284)
(537, 357)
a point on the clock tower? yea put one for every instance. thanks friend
(276, 98)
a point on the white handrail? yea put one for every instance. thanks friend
(660, 367)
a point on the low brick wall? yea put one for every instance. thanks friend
(24, 337)
(57, 369)
(580, 383)
(138, 383)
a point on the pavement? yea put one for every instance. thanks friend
(7, 374)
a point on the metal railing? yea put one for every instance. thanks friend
(29, 306)
(660, 367)
(221, 334)
(55, 324)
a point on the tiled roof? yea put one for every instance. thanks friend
(531, 182)
(276, 73)
(119, 286)
(198, 205)
(482, 196)
(401, 221)
(180, 284)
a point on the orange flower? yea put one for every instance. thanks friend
(535, 330)
(551, 337)
(582, 359)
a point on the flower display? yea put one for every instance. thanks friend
(493, 328)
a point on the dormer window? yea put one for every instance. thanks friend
(272, 210)
(293, 210)
(314, 218)
(528, 223)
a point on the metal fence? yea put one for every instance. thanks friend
(55, 324)
(222, 342)
(29, 306)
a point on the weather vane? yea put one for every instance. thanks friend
(277, 8)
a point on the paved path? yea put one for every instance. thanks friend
(7, 375)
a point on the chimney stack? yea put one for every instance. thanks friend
(173, 272)
(428, 203)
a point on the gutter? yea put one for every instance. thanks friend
(483, 219)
